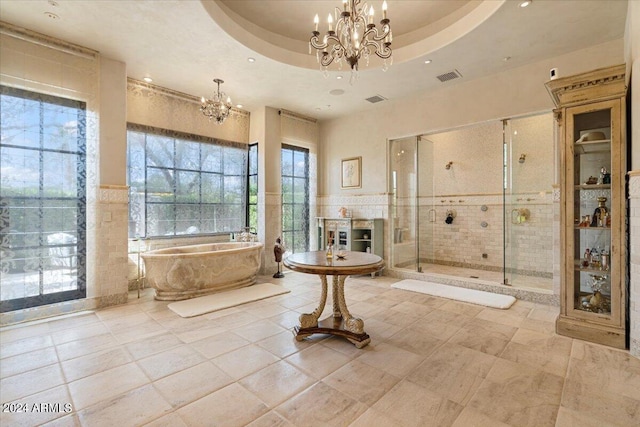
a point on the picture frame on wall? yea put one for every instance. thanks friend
(351, 173)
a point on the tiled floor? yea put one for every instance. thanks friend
(431, 362)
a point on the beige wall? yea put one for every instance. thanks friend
(113, 122)
(515, 92)
(632, 55)
(167, 109)
(632, 58)
(272, 127)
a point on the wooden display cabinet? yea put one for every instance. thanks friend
(352, 234)
(591, 118)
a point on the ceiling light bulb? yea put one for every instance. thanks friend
(147, 79)
(338, 77)
(525, 3)
(427, 61)
(252, 60)
(239, 106)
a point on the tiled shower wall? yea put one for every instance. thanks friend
(475, 232)
(475, 237)
(463, 242)
(634, 263)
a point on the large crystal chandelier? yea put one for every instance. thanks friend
(216, 108)
(355, 36)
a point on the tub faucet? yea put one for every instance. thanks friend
(247, 235)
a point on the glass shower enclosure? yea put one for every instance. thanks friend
(476, 202)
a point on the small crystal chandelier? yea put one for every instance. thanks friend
(215, 108)
(355, 36)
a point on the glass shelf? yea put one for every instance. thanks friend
(588, 147)
(593, 187)
(592, 305)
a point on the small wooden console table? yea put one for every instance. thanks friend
(342, 323)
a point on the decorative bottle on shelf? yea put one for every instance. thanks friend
(586, 259)
(600, 214)
(329, 249)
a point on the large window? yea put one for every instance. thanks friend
(42, 199)
(295, 198)
(252, 194)
(184, 184)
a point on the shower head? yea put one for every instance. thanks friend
(522, 158)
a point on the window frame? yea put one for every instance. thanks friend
(78, 257)
(143, 230)
(252, 162)
(291, 243)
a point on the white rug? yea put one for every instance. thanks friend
(214, 302)
(456, 293)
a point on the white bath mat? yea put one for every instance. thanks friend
(214, 302)
(456, 293)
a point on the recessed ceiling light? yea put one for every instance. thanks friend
(239, 106)
(525, 3)
(427, 61)
(336, 92)
(252, 60)
(51, 15)
(147, 79)
(338, 77)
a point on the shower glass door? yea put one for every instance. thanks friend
(426, 212)
(403, 181)
(528, 167)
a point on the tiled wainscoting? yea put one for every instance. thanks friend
(634, 265)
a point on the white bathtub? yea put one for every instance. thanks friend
(191, 271)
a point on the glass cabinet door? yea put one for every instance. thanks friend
(591, 118)
(592, 272)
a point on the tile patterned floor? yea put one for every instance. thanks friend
(431, 362)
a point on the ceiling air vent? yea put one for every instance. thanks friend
(376, 98)
(449, 76)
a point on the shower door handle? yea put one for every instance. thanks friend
(514, 220)
(432, 215)
(522, 215)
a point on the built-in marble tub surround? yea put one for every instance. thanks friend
(190, 271)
